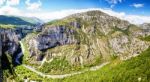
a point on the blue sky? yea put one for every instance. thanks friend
(120, 5)
(126, 6)
(51, 9)
(129, 6)
(70, 4)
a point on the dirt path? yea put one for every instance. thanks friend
(64, 75)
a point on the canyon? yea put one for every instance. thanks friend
(71, 44)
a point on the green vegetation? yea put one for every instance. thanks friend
(126, 31)
(25, 51)
(57, 66)
(60, 22)
(8, 26)
(147, 38)
(23, 73)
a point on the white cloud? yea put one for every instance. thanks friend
(134, 19)
(2, 2)
(7, 10)
(46, 16)
(137, 5)
(34, 5)
(9, 2)
(113, 2)
(12, 2)
(56, 14)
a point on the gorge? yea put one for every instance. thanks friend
(74, 43)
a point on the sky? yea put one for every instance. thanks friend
(135, 11)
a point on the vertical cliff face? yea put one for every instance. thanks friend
(59, 35)
(10, 49)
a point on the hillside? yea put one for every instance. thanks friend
(82, 40)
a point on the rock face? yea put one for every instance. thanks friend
(10, 48)
(53, 37)
(10, 52)
(85, 39)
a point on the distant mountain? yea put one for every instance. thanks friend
(14, 20)
(32, 20)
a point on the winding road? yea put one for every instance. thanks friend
(94, 68)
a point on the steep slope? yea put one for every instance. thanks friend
(82, 40)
